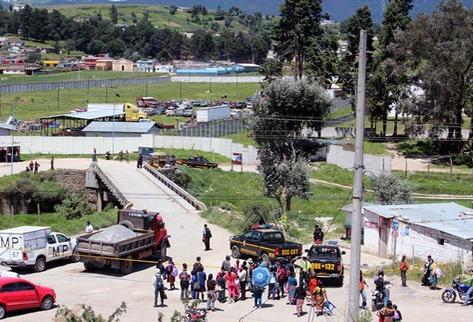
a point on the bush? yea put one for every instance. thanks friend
(65, 314)
(75, 205)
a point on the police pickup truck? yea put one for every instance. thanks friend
(267, 244)
(326, 261)
(33, 247)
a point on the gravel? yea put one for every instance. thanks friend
(113, 234)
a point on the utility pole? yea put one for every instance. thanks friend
(354, 292)
(13, 136)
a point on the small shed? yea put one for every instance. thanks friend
(5, 129)
(443, 230)
(122, 65)
(120, 129)
(104, 64)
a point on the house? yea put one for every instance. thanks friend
(104, 64)
(152, 66)
(20, 69)
(120, 129)
(6, 128)
(69, 63)
(122, 65)
(443, 230)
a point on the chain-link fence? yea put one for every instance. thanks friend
(215, 129)
(89, 83)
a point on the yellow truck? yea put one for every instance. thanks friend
(133, 113)
(130, 112)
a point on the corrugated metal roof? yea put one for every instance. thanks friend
(450, 218)
(120, 127)
(98, 114)
(7, 126)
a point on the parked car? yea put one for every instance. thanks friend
(197, 162)
(326, 261)
(17, 294)
(146, 101)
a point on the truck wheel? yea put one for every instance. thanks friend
(40, 264)
(47, 303)
(265, 257)
(75, 258)
(339, 281)
(89, 266)
(236, 252)
(127, 224)
(126, 267)
(3, 311)
(164, 250)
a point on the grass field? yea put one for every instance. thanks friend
(158, 15)
(242, 138)
(32, 105)
(346, 110)
(230, 194)
(70, 76)
(172, 120)
(60, 223)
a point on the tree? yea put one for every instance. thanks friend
(389, 78)
(390, 190)
(322, 59)
(271, 69)
(202, 45)
(114, 14)
(64, 314)
(360, 21)
(297, 29)
(439, 52)
(279, 135)
(33, 58)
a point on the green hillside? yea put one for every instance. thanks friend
(159, 16)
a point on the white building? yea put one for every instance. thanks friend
(443, 230)
(120, 129)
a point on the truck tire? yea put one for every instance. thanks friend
(89, 266)
(127, 224)
(339, 281)
(265, 257)
(47, 303)
(126, 267)
(3, 311)
(40, 264)
(236, 252)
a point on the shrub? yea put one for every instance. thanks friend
(65, 314)
(75, 205)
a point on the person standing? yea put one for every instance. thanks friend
(31, 166)
(427, 271)
(197, 265)
(139, 162)
(88, 227)
(94, 155)
(206, 235)
(301, 294)
(226, 264)
(201, 279)
(291, 290)
(230, 278)
(36, 167)
(184, 278)
(318, 235)
(363, 286)
(281, 276)
(320, 296)
(52, 163)
(120, 156)
(304, 270)
(397, 314)
(171, 272)
(158, 284)
(403, 267)
(258, 295)
(127, 156)
(211, 293)
(242, 278)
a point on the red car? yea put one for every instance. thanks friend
(17, 294)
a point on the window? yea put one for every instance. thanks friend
(324, 251)
(256, 235)
(51, 239)
(24, 287)
(248, 235)
(62, 238)
(8, 288)
(273, 237)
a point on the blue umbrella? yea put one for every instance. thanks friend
(261, 276)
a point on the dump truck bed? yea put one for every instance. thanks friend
(86, 246)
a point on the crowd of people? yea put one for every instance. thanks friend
(233, 282)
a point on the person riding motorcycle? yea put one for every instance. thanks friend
(468, 280)
(380, 284)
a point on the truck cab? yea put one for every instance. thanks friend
(133, 113)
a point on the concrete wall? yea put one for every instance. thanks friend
(346, 159)
(85, 145)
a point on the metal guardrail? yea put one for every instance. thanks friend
(77, 84)
(174, 187)
(113, 189)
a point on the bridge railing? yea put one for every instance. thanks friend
(113, 189)
(174, 187)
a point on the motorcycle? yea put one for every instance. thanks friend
(194, 314)
(377, 302)
(458, 289)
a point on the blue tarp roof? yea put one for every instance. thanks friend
(119, 127)
(450, 218)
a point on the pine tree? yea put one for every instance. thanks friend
(114, 14)
(297, 30)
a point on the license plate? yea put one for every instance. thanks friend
(289, 252)
(323, 266)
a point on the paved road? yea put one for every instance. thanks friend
(105, 290)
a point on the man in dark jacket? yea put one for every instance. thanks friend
(206, 235)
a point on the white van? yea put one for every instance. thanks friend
(32, 246)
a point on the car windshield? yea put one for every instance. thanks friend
(317, 251)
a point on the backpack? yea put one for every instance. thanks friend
(158, 282)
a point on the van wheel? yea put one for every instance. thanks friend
(3, 311)
(40, 264)
(126, 267)
(89, 266)
(47, 303)
(236, 252)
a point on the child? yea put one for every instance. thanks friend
(300, 298)
(397, 314)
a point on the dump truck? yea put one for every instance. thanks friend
(138, 234)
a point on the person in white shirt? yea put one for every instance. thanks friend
(89, 228)
(242, 278)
